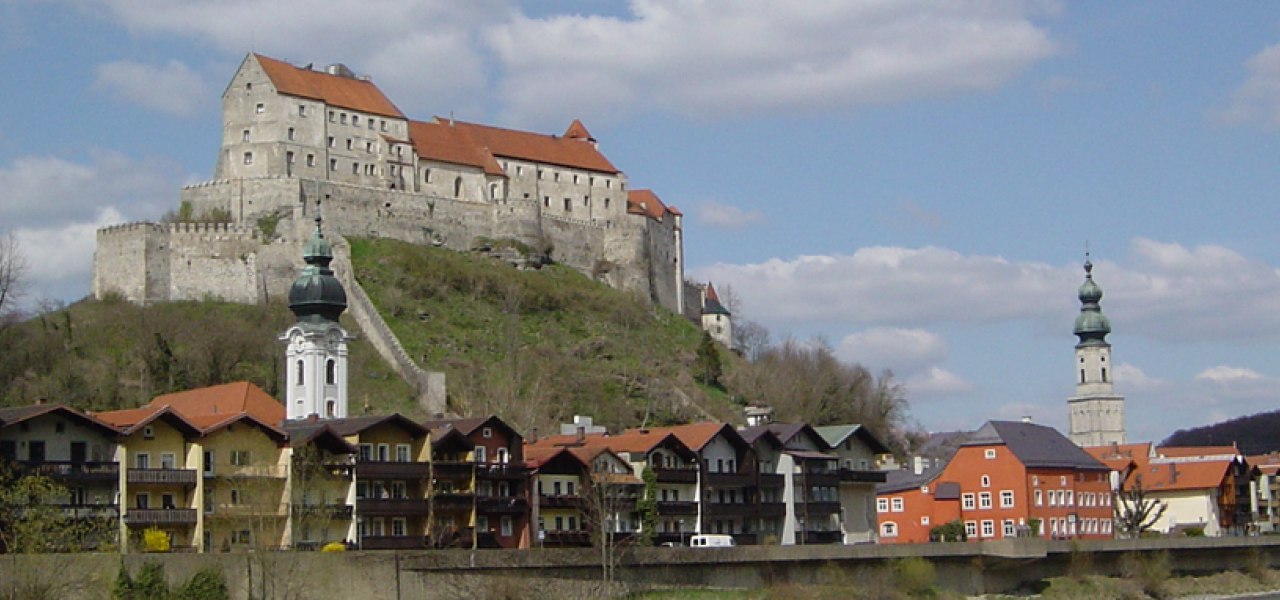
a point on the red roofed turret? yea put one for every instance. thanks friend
(578, 131)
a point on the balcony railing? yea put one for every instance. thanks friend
(686, 475)
(160, 516)
(72, 471)
(677, 508)
(90, 511)
(393, 470)
(771, 510)
(850, 475)
(560, 500)
(566, 538)
(393, 506)
(772, 480)
(502, 505)
(341, 512)
(728, 480)
(825, 479)
(453, 500)
(453, 470)
(497, 471)
(393, 542)
(162, 476)
(730, 510)
(817, 509)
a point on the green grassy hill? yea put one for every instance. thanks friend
(534, 347)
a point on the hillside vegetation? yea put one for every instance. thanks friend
(1254, 434)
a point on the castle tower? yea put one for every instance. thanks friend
(716, 319)
(1096, 411)
(316, 356)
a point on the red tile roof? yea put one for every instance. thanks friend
(1192, 475)
(695, 436)
(535, 147)
(334, 90)
(127, 417)
(454, 145)
(578, 131)
(1111, 451)
(225, 400)
(645, 202)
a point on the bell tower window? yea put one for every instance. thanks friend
(300, 370)
(330, 372)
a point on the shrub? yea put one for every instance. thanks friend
(155, 540)
(122, 587)
(952, 531)
(914, 575)
(1149, 570)
(150, 583)
(334, 547)
(206, 584)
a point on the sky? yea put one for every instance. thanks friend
(913, 181)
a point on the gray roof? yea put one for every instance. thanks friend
(906, 479)
(354, 425)
(835, 435)
(1035, 445)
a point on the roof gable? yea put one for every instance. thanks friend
(334, 90)
(14, 415)
(835, 435)
(227, 399)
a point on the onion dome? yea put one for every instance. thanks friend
(1092, 326)
(316, 296)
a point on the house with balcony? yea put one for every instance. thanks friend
(578, 489)
(73, 449)
(811, 481)
(392, 479)
(322, 487)
(160, 482)
(245, 468)
(856, 450)
(453, 490)
(501, 494)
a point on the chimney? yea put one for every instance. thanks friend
(582, 434)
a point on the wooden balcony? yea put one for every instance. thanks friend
(730, 480)
(854, 476)
(453, 470)
(502, 505)
(162, 476)
(453, 500)
(745, 539)
(822, 479)
(140, 517)
(772, 481)
(379, 507)
(818, 509)
(392, 470)
(566, 538)
(71, 471)
(714, 510)
(501, 471)
(771, 510)
(560, 501)
(671, 508)
(393, 542)
(685, 475)
(341, 512)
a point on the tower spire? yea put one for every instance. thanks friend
(1096, 411)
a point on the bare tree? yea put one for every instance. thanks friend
(750, 338)
(608, 504)
(13, 278)
(1135, 511)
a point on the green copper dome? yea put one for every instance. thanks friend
(316, 296)
(1092, 326)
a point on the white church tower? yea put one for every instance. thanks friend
(1097, 412)
(316, 356)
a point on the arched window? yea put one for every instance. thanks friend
(330, 372)
(301, 376)
(457, 187)
(889, 529)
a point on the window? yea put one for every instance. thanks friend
(1039, 498)
(384, 125)
(331, 408)
(989, 453)
(167, 460)
(504, 455)
(1071, 498)
(897, 505)
(244, 135)
(1064, 480)
(342, 118)
(301, 370)
(241, 458)
(1035, 480)
(355, 168)
(248, 158)
(333, 117)
(486, 433)
(402, 453)
(348, 143)
(260, 108)
(924, 520)
(384, 452)
(1053, 498)
(882, 505)
(311, 160)
(426, 176)
(208, 463)
(332, 142)
(355, 120)
(236, 496)
(142, 460)
(480, 454)
(291, 134)
(288, 157)
(457, 187)
(986, 481)
(1006, 499)
(399, 490)
(888, 529)
(966, 501)
(142, 500)
(398, 527)
(984, 500)
(302, 110)
(1008, 529)
(330, 372)
(506, 526)
(971, 529)
(988, 529)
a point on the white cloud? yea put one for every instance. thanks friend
(43, 191)
(724, 216)
(61, 256)
(750, 56)
(1223, 374)
(905, 351)
(172, 89)
(1257, 100)
(1131, 378)
(1166, 292)
(937, 383)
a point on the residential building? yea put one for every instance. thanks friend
(453, 490)
(811, 483)
(856, 450)
(501, 479)
(393, 474)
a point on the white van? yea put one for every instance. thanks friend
(711, 541)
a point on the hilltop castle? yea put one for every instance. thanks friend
(295, 136)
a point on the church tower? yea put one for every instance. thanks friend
(1097, 412)
(316, 356)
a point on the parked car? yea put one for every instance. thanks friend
(711, 541)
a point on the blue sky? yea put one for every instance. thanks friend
(915, 181)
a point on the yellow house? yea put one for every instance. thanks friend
(392, 480)
(321, 487)
(245, 473)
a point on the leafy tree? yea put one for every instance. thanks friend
(32, 519)
(647, 506)
(707, 366)
(150, 582)
(1135, 511)
(951, 531)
